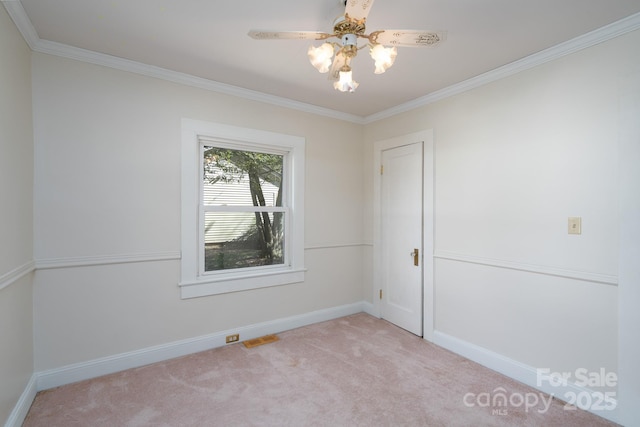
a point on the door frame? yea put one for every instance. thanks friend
(428, 305)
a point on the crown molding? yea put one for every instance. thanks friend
(608, 32)
(24, 25)
(84, 55)
(19, 16)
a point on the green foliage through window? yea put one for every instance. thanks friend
(237, 237)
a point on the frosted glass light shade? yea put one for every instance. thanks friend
(320, 57)
(384, 57)
(346, 82)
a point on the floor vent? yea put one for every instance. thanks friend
(260, 341)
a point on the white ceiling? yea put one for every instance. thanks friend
(208, 39)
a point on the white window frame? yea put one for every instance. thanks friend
(194, 282)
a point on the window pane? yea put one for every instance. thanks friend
(241, 178)
(243, 239)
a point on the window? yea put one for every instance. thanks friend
(244, 216)
(242, 209)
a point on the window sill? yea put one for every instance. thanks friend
(222, 285)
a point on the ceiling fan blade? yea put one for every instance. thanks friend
(338, 62)
(408, 38)
(288, 35)
(358, 9)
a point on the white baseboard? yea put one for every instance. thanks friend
(94, 368)
(133, 359)
(518, 371)
(368, 308)
(19, 413)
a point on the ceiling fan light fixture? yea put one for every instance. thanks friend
(383, 56)
(335, 57)
(346, 82)
(320, 57)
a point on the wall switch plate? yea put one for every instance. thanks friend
(575, 225)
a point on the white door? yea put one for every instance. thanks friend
(402, 236)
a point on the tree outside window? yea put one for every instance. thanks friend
(244, 217)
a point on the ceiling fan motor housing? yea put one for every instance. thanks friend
(349, 40)
(349, 45)
(344, 24)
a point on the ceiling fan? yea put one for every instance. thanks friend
(348, 28)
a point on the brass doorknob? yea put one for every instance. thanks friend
(416, 256)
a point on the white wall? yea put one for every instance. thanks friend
(16, 216)
(107, 155)
(629, 205)
(514, 159)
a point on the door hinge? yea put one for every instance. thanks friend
(380, 293)
(381, 169)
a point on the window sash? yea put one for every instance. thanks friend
(262, 148)
(221, 273)
(286, 196)
(204, 208)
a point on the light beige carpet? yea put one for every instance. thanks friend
(353, 371)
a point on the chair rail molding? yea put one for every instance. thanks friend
(85, 261)
(16, 274)
(587, 276)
